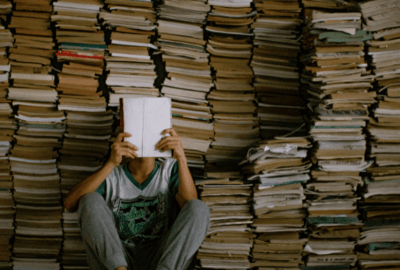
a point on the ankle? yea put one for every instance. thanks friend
(121, 268)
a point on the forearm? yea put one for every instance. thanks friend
(186, 189)
(90, 184)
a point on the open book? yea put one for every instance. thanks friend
(145, 118)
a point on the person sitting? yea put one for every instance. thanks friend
(143, 214)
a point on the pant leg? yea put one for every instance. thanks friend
(103, 245)
(182, 241)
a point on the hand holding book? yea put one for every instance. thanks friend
(173, 142)
(120, 149)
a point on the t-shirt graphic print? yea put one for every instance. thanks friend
(141, 219)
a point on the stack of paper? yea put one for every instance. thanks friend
(384, 61)
(279, 169)
(30, 58)
(81, 48)
(74, 253)
(275, 66)
(337, 83)
(332, 219)
(7, 129)
(229, 239)
(41, 126)
(232, 100)
(129, 64)
(5, 9)
(35, 264)
(188, 77)
(80, 60)
(379, 243)
(37, 183)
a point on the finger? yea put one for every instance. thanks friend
(120, 136)
(125, 144)
(165, 141)
(170, 131)
(127, 153)
(170, 146)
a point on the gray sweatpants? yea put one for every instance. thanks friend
(174, 251)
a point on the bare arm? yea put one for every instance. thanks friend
(186, 189)
(90, 184)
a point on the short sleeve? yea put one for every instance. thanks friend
(102, 189)
(174, 180)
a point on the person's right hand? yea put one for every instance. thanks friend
(120, 149)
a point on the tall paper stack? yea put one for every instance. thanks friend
(7, 129)
(130, 68)
(188, 75)
(80, 60)
(379, 241)
(275, 66)
(232, 100)
(279, 169)
(337, 84)
(229, 239)
(41, 126)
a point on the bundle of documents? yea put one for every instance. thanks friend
(188, 77)
(379, 242)
(80, 60)
(130, 68)
(5, 9)
(279, 169)
(81, 48)
(229, 239)
(37, 182)
(74, 253)
(41, 126)
(332, 219)
(275, 66)
(36, 264)
(7, 129)
(232, 100)
(337, 83)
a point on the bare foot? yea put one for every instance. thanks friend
(121, 268)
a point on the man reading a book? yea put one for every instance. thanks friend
(143, 214)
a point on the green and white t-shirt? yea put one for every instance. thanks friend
(142, 212)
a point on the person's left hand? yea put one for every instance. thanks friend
(173, 142)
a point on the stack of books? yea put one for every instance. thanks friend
(188, 75)
(337, 84)
(5, 9)
(229, 239)
(275, 66)
(380, 236)
(80, 57)
(33, 157)
(279, 169)
(232, 100)
(7, 129)
(129, 64)
(81, 44)
(74, 253)
(379, 241)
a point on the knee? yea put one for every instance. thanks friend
(199, 211)
(88, 202)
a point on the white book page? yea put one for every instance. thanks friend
(133, 122)
(157, 118)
